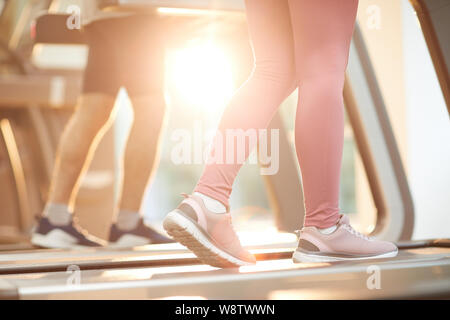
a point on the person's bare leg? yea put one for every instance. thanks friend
(77, 144)
(141, 155)
(140, 162)
(56, 228)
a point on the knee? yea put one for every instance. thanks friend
(90, 116)
(279, 69)
(153, 103)
(149, 111)
(323, 92)
(327, 81)
(326, 65)
(94, 112)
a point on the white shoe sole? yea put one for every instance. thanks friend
(56, 239)
(299, 257)
(184, 231)
(129, 241)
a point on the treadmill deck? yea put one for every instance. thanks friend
(420, 272)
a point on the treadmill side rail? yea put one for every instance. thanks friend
(377, 146)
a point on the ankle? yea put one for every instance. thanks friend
(58, 213)
(328, 230)
(212, 204)
(127, 219)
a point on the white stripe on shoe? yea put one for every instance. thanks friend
(129, 241)
(305, 257)
(56, 239)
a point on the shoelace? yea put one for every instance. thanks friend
(354, 232)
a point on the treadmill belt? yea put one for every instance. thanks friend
(106, 258)
(414, 273)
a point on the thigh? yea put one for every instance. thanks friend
(100, 74)
(140, 55)
(270, 30)
(125, 52)
(322, 34)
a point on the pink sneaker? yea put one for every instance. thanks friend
(343, 244)
(209, 235)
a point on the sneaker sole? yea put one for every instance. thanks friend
(129, 241)
(299, 257)
(55, 240)
(187, 233)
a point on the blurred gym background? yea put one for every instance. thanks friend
(220, 55)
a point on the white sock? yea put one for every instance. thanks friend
(327, 230)
(59, 214)
(127, 219)
(212, 204)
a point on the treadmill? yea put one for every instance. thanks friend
(415, 273)
(433, 18)
(421, 270)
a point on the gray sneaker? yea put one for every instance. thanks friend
(345, 243)
(209, 235)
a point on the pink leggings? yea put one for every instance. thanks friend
(304, 44)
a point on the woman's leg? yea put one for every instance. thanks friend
(322, 32)
(255, 103)
(198, 222)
